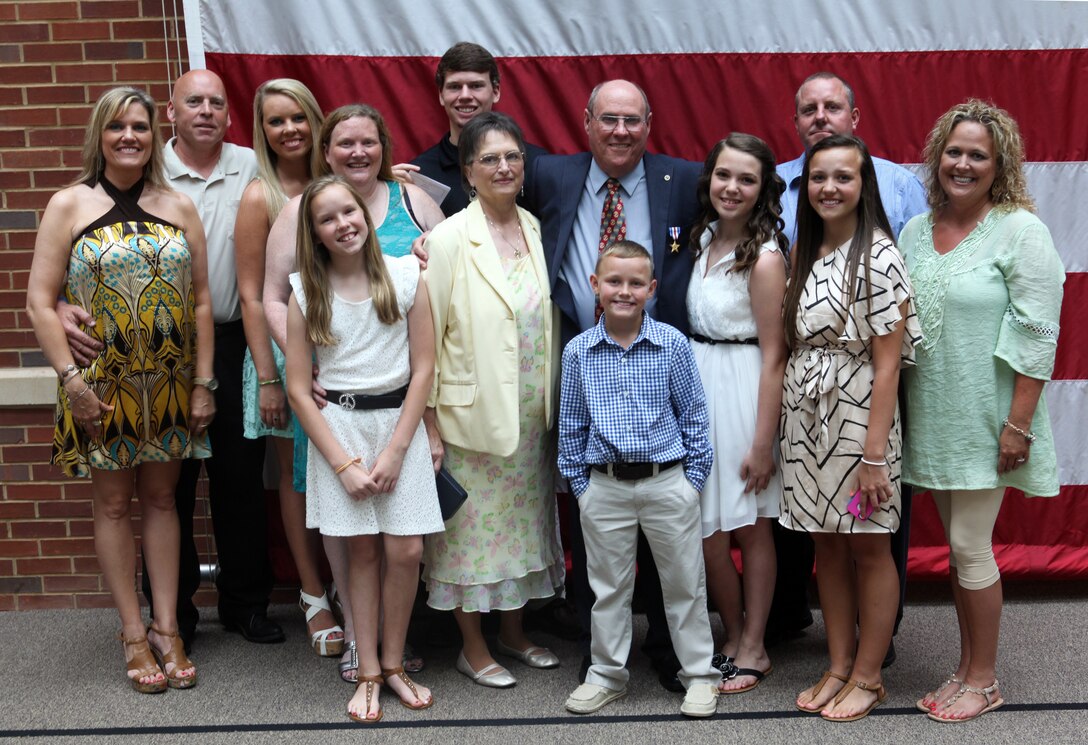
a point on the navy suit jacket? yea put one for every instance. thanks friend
(553, 188)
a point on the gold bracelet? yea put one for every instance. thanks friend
(270, 381)
(349, 464)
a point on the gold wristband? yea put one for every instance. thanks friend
(347, 465)
(270, 381)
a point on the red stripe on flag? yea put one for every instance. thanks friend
(1033, 538)
(699, 98)
(1072, 360)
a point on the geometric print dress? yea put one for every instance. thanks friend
(132, 271)
(828, 390)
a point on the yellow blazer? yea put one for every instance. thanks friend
(475, 392)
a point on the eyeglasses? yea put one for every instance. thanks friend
(609, 122)
(513, 159)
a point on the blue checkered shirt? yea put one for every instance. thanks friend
(643, 404)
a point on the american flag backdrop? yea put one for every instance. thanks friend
(714, 67)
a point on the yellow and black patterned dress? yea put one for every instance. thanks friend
(132, 271)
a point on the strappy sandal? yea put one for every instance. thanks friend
(143, 664)
(319, 640)
(351, 664)
(412, 662)
(920, 703)
(398, 672)
(986, 693)
(370, 681)
(828, 675)
(176, 657)
(877, 688)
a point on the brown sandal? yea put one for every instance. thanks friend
(877, 688)
(398, 672)
(371, 692)
(143, 664)
(176, 657)
(828, 675)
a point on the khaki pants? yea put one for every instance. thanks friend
(666, 506)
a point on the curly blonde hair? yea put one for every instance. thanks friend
(1010, 188)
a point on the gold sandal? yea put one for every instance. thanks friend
(176, 657)
(371, 692)
(398, 672)
(877, 688)
(143, 664)
(828, 675)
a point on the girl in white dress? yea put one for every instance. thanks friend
(734, 310)
(370, 476)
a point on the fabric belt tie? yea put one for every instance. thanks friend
(633, 471)
(818, 394)
(364, 401)
(707, 340)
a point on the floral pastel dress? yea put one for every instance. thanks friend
(502, 547)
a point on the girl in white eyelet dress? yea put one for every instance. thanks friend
(734, 301)
(370, 476)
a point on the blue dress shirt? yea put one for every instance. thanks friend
(643, 404)
(580, 258)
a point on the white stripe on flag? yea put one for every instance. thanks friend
(578, 28)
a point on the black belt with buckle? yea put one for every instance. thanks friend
(352, 401)
(707, 340)
(633, 471)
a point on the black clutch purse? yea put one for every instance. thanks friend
(451, 495)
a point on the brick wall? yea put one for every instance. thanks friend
(56, 58)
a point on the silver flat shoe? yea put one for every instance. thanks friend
(539, 657)
(486, 677)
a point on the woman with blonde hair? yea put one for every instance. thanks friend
(286, 119)
(123, 245)
(989, 285)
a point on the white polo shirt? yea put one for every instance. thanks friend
(217, 199)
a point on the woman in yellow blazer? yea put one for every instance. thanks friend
(491, 407)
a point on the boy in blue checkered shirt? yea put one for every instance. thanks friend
(634, 443)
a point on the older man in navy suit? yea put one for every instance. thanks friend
(656, 198)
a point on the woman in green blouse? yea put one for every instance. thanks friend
(988, 286)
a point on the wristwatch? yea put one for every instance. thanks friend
(210, 383)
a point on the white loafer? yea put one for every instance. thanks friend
(701, 700)
(588, 698)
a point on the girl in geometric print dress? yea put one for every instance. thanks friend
(370, 476)
(130, 250)
(850, 324)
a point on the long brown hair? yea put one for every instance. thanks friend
(765, 221)
(312, 258)
(810, 232)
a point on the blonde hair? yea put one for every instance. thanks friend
(1010, 187)
(111, 105)
(625, 250)
(312, 258)
(274, 196)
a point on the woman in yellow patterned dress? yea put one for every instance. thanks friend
(122, 244)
